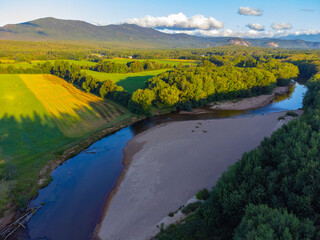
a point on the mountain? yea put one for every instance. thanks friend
(305, 37)
(52, 29)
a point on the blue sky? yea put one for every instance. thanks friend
(299, 15)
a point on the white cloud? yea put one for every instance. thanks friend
(249, 11)
(306, 32)
(223, 33)
(241, 34)
(281, 26)
(178, 22)
(256, 27)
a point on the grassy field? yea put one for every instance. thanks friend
(163, 61)
(129, 81)
(42, 115)
(5, 63)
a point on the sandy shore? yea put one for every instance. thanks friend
(250, 103)
(170, 163)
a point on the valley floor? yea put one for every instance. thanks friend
(168, 164)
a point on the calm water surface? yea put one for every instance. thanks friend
(73, 202)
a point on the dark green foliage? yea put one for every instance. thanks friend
(190, 208)
(283, 82)
(171, 214)
(130, 67)
(292, 114)
(110, 67)
(282, 173)
(203, 194)
(262, 222)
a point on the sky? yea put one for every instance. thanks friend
(243, 18)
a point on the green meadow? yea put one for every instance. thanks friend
(4, 63)
(129, 81)
(173, 62)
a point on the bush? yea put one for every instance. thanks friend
(292, 114)
(283, 82)
(190, 208)
(203, 194)
(171, 214)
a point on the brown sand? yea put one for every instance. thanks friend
(175, 161)
(250, 103)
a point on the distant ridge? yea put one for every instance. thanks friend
(306, 37)
(52, 29)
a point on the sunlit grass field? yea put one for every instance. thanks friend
(129, 81)
(173, 62)
(163, 61)
(5, 63)
(40, 116)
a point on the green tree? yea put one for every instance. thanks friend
(264, 223)
(144, 98)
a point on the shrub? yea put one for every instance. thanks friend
(203, 194)
(190, 208)
(171, 214)
(292, 114)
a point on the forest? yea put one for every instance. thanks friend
(185, 88)
(272, 192)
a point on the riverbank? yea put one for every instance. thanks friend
(242, 104)
(68, 152)
(168, 164)
(250, 103)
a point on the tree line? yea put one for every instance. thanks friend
(130, 67)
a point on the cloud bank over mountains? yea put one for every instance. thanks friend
(178, 22)
(200, 25)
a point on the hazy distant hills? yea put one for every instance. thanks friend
(305, 37)
(53, 29)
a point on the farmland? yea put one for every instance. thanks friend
(160, 61)
(173, 62)
(6, 63)
(40, 117)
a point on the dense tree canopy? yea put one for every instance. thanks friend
(209, 82)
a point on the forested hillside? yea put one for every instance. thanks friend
(45, 29)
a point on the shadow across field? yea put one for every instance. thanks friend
(28, 142)
(131, 84)
(25, 143)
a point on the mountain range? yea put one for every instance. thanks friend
(52, 29)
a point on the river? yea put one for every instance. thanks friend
(72, 204)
